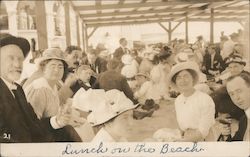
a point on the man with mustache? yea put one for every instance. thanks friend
(18, 121)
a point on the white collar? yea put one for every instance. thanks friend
(11, 86)
(248, 113)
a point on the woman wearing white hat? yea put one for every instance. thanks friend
(195, 110)
(114, 117)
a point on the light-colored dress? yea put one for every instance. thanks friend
(43, 98)
(195, 112)
(148, 90)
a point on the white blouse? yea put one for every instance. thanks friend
(195, 112)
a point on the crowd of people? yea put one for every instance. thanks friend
(209, 84)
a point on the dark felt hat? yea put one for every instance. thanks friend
(7, 39)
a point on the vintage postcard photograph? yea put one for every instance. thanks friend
(124, 78)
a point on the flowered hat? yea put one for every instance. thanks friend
(115, 104)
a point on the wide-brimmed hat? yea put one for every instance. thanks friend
(7, 39)
(234, 59)
(51, 53)
(184, 66)
(116, 103)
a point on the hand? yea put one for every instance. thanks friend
(69, 116)
(70, 80)
(192, 135)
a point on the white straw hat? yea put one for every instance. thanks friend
(115, 104)
(184, 66)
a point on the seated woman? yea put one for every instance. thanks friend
(113, 117)
(195, 110)
(42, 93)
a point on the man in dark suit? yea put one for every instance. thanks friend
(213, 63)
(112, 79)
(119, 52)
(96, 63)
(238, 88)
(18, 121)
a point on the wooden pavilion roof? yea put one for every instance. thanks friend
(96, 13)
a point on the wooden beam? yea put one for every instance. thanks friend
(169, 32)
(246, 8)
(132, 18)
(92, 32)
(212, 26)
(162, 17)
(143, 12)
(186, 29)
(67, 23)
(163, 20)
(78, 31)
(162, 26)
(168, 10)
(133, 5)
(85, 37)
(178, 24)
(213, 5)
(241, 23)
(98, 3)
(42, 35)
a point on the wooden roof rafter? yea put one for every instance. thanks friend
(164, 20)
(124, 12)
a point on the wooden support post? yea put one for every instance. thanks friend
(85, 37)
(78, 31)
(41, 25)
(186, 29)
(67, 23)
(212, 26)
(169, 32)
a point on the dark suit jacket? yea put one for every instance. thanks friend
(19, 123)
(118, 53)
(113, 80)
(218, 63)
(99, 66)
